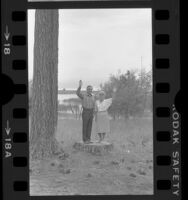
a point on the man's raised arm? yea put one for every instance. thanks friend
(78, 92)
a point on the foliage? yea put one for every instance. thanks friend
(72, 105)
(133, 93)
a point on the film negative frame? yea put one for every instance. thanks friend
(166, 85)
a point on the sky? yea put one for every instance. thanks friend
(95, 43)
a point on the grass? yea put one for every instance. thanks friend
(133, 132)
(128, 169)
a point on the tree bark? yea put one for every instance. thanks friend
(94, 148)
(45, 86)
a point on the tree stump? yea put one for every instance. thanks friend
(94, 148)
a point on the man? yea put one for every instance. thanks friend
(88, 104)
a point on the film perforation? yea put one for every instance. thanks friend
(163, 184)
(19, 40)
(163, 136)
(162, 87)
(18, 16)
(19, 137)
(19, 64)
(19, 113)
(162, 39)
(162, 15)
(163, 112)
(20, 88)
(162, 63)
(19, 161)
(8, 93)
(178, 101)
(163, 160)
(20, 186)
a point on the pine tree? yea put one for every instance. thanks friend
(43, 114)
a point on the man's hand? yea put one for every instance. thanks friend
(80, 83)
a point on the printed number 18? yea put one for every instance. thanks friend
(7, 49)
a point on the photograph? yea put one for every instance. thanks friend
(68, 0)
(90, 83)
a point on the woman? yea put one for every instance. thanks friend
(102, 118)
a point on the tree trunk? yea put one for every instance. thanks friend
(94, 148)
(45, 86)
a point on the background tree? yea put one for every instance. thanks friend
(146, 87)
(133, 95)
(43, 117)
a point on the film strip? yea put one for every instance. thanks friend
(166, 84)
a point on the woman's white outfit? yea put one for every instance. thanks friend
(102, 120)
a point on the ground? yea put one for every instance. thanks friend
(128, 169)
